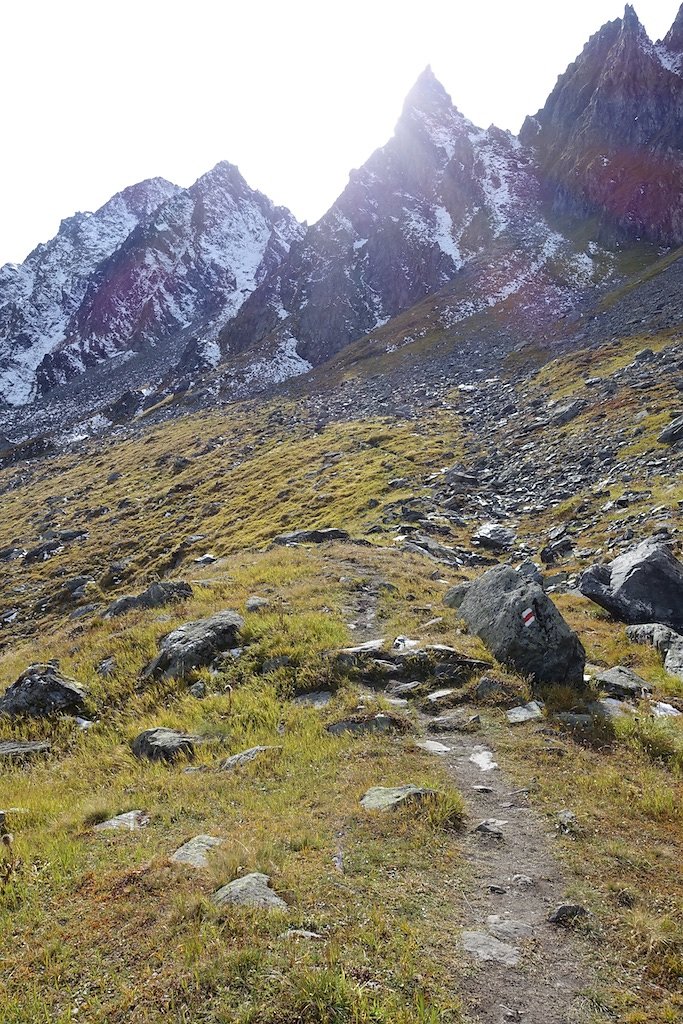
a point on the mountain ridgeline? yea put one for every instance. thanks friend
(214, 279)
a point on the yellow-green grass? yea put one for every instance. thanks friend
(624, 863)
(103, 924)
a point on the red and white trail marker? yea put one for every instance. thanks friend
(528, 616)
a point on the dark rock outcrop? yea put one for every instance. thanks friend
(42, 691)
(194, 645)
(156, 595)
(163, 745)
(644, 585)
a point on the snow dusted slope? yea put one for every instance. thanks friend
(186, 270)
(437, 196)
(39, 297)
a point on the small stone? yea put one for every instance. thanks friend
(316, 698)
(251, 890)
(492, 827)
(439, 695)
(523, 881)
(129, 821)
(387, 798)
(256, 604)
(194, 851)
(432, 747)
(483, 759)
(567, 914)
(244, 757)
(623, 682)
(359, 727)
(525, 713)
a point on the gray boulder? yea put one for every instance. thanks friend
(156, 595)
(495, 537)
(622, 682)
(522, 627)
(42, 691)
(667, 643)
(567, 412)
(456, 595)
(672, 433)
(644, 585)
(163, 745)
(250, 891)
(194, 645)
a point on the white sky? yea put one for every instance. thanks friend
(98, 95)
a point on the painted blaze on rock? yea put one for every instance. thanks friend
(522, 628)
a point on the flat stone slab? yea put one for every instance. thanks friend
(483, 759)
(194, 851)
(505, 929)
(530, 712)
(250, 891)
(17, 750)
(438, 695)
(433, 747)
(491, 828)
(359, 727)
(662, 710)
(490, 950)
(315, 699)
(129, 821)
(387, 798)
(244, 757)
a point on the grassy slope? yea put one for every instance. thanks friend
(107, 926)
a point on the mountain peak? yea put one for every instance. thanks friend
(673, 40)
(427, 95)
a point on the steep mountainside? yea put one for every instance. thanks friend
(189, 268)
(474, 230)
(609, 140)
(39, 298)
(439, 196)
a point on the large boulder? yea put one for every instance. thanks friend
(156, 595)
(194, 645)
(42, 691)
(644, 585)
(667, 642)
(522, 627)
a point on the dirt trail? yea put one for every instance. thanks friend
(516, 882)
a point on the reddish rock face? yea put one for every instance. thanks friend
(609, 140)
